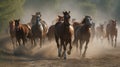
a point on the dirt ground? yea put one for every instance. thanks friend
(99, 54)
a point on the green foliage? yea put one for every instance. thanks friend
(87, 8)
(9, 9)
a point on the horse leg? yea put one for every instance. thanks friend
(23, 41)
(58, 46)
(41, 42)
(86, 46)
(81, 45)
(64, 44)
(70, 47)
(19, 42)
(111, 36)
(115, 40)
(13, 42)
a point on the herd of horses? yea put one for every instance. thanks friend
(63, 32)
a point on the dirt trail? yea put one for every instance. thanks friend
(98, 55)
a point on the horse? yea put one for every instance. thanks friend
(100, 33)
(82, 34)
(39, 29)
(111, 32)
(12, 31)
(23, 31)
(51, 30)
(64, 32)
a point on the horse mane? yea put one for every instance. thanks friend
(83, 21)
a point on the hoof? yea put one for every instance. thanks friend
(83, 56)
(59, 55)
(68, 52)
(65, 58)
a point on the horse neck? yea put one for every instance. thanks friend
(86, 27)
(66, 22)
(12, 27)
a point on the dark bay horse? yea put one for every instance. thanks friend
(63, 33)
(39, 29)
(82, 34)
(51, 30)
(111, 32)
(23, 31)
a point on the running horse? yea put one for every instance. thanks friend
(39, 28)
(82, 34)
(111, 32)
(64, 32)
(12, 32)
(100, 33)
(23, 31)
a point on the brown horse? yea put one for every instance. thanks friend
(82, 34)
(111, 32)
(12, 32)
(22, 32)
(39, 28)
(100, 33)
(51, 30)
(64, 32)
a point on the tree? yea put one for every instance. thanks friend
(9, 9)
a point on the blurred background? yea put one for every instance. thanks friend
(100, 10)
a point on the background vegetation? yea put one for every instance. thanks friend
(11, 9)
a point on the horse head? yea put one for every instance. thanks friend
(11, 23)
(113, 23)
(60, 18)
(17, 23)
(66, 17)
(87, 21)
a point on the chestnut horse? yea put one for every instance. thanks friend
(111, 32)
(64, 32)
(22, 32)
(12, 32)
(39, 29)
(82, 34)
(51, 30)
